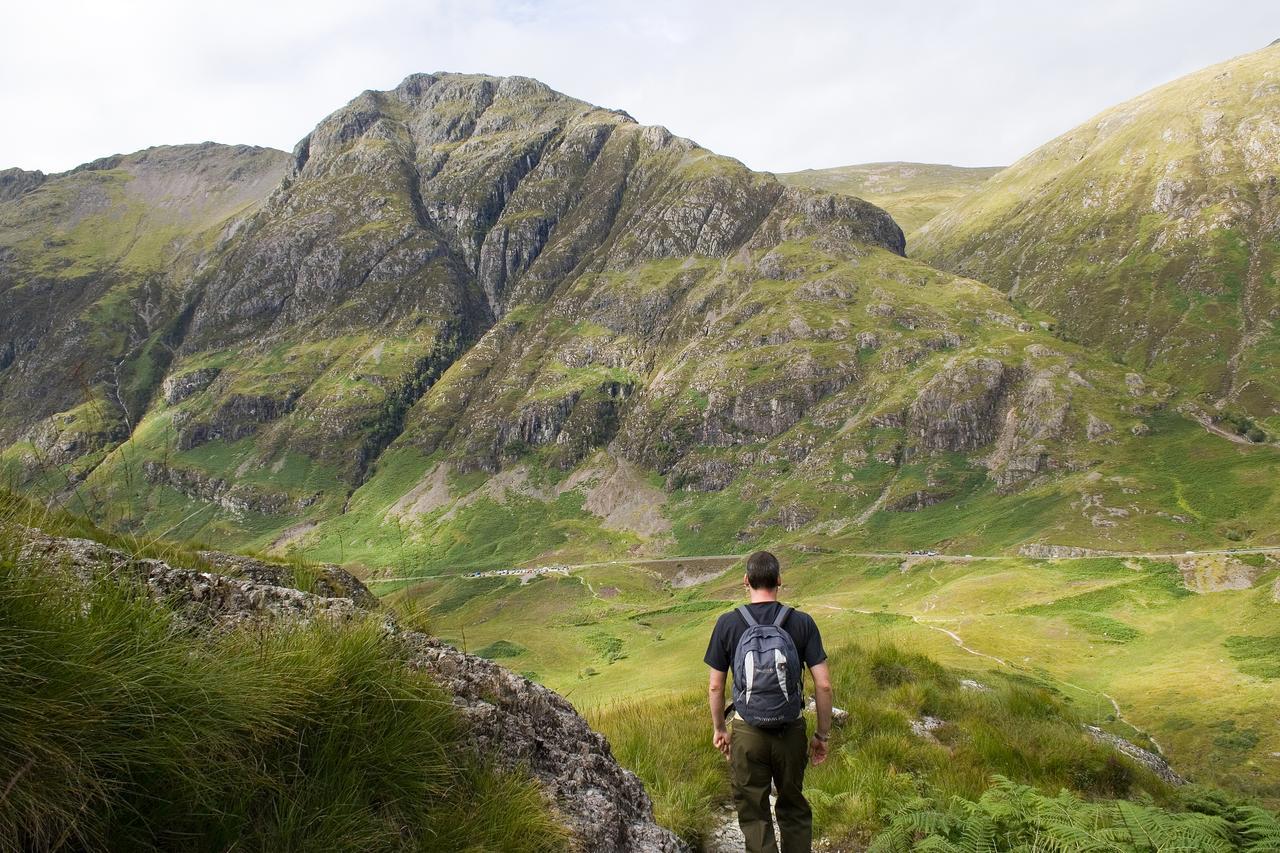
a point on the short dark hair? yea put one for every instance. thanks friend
(763, 570)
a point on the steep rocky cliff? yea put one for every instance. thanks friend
(1149, 230)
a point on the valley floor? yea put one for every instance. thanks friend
(1180, 653)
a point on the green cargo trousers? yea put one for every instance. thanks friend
(764, 758)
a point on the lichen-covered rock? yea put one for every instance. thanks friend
(203, 598)
(959, 408)
(1150, 760)
(527, 725)
(325, 580)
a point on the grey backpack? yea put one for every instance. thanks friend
(766, 673)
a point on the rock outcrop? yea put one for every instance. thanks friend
(519, 724)
(525, 724)
(209, 599)
(1042, 551)
(1148, 759)
(959, 408)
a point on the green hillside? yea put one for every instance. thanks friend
(95, 268)
(1148, 231)
(482, 323)
(912, 193)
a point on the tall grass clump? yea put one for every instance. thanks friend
(123, 729)
(19, 511)
(667, 743)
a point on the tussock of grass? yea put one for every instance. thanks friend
(667, 743)
(123, 731)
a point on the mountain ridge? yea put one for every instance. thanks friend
(469, 277)
(1161, 210)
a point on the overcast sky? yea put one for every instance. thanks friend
(783, 85)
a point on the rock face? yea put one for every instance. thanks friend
(1155, 763)
(528, 725)
(1147, 230)
(957, 410)
(520, 724)
(203, 598)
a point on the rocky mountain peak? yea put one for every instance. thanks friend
(15, 182)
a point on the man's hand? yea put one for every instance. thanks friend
(721, 737)
(817, 750)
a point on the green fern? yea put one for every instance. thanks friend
(1014, 818)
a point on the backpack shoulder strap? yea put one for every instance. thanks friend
(783, 613)
(747, 617)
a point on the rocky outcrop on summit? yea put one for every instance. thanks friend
(436, 213)
(16, 182)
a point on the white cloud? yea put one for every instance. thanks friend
(779, 85)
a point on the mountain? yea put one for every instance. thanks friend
(541, 374)
(1149, 231)
(94, 265)
(913, 193)
(481, 322)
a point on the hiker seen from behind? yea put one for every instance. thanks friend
(767, 644)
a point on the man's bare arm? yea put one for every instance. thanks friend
(821, 698)
(715, 697)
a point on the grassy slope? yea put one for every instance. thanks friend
(913, 193)
(1093, 628)
(316, 737)
(1147, 230)
(96, 263)
(635, 643)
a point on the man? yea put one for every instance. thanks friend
(775, 756)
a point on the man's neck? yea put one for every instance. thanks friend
(759, 596)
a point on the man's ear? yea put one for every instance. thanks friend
(746, 581)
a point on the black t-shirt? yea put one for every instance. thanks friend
(731, 626)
